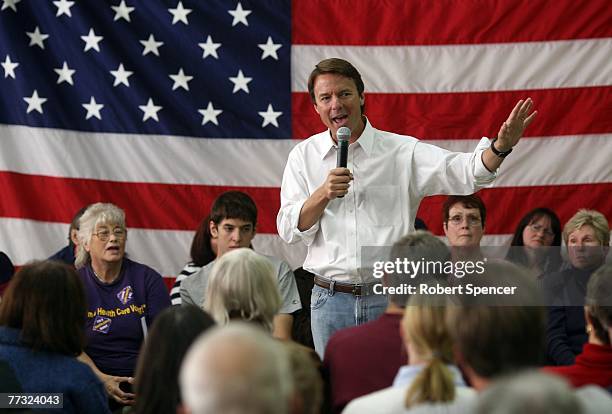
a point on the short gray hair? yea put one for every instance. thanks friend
(236, 369)
(243, 284)
(98, 213)
(529, 392)
(591, 218)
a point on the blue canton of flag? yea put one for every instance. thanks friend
(192, 68)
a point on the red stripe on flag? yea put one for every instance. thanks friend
(565, 111)
(147, 205)
(349, 22)
(506, 206)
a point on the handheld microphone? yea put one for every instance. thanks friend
(343, 135)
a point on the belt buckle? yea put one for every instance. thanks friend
(356, 291)
(332, 285)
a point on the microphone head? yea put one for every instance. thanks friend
(343, 134)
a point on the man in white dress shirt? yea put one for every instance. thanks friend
(373, 202)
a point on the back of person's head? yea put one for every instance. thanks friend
(98, 213)
(503, 337)
(74, 224)
(46, 301)
(529, 392)
(599, 302)
(467, 201)
(172, 333)
(424, 329)
(592, 218)
(202, 251)
(336, 66)
(234, 205)
(418, 246)
(308, 395)
(243, 286)
(236, 369)
(6, 270)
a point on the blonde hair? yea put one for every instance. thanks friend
(425, 328)
(98, 213)
(243, 285)
(591, 218)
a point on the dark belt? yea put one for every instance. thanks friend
(353, 289)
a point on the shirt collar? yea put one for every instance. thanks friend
(327, 145)
(408, 373)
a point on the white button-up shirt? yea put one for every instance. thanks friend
(392, 173)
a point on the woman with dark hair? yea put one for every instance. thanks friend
(203, 251)
(536, 242)
(41, 332)
(160, 360)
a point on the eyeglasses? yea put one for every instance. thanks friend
(104, 235)
(536, 228)
(472, 221)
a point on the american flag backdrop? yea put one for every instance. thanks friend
(159, 106)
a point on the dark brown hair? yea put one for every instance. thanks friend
(468, 201)
(339, 67)
(171, 335)
(46, 301)
(201, 251)
(234, 205)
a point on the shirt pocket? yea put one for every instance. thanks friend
(381, 205)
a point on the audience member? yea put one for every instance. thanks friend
(242, 286)
(172, 333)
(594, 364)
(536, 243)
(41, 332)
(123, 299)
(236, 369)
(529, 392)
(377, 345)
(430, 375)
(6, 272)
(67, 254)
(587, 236)
(464, 223)
(233, 221)
(203, 251)
(308, 392)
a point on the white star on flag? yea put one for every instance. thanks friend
(122, 11)
(37, 38)
(269, 49)
(35, 102)
(63, 7)
(65, 74)
(210, 48)
(150, 110)
(240, 82)
(179, 14)
(240, 15)
(93, 109)
(91, 41)
(9, 67)
(210, 114)
(121, 76)
(151, 46)
(9, 3)
(180, 80)
(270, 116)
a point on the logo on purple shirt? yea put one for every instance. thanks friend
(125, 295)
(101, 324)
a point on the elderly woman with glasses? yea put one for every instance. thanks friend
(123, 298)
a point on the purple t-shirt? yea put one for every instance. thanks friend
(117, 314)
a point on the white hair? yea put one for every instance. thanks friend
(531, 392)
(236, 369)
(98, 213)
(243, 285)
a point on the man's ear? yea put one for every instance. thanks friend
(362, 99)
(316, 108)
(214, 231)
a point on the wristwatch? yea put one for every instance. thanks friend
(500, 154)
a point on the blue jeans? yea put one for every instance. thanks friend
(332, 311)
